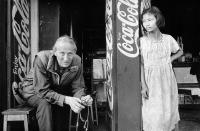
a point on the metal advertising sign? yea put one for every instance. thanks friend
(20, 39)
(128, 65)
(128, 27)
(123, 66)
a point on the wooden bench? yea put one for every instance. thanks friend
(19, 113)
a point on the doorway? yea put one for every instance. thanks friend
(85, 22)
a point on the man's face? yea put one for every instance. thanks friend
(64, 53)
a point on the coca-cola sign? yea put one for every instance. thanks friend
(128, 27)
(20, 42)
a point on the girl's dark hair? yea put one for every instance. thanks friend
(160, 20)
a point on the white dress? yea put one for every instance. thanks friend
(160, 111)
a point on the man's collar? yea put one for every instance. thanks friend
(52, 63)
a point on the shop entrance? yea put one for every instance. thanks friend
(85, 22)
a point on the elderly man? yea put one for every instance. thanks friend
(56, 80)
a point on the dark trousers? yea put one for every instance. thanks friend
(50, 117)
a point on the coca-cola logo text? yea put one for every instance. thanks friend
(20, 23)
(128, 31)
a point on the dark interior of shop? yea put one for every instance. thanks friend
(182, 19)
(88, 27)
(88, 23)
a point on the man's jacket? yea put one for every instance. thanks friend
(45, 82)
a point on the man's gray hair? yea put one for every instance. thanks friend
(67, 39)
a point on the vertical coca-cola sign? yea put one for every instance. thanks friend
(123, 64)
(128, 65)
(20, 39)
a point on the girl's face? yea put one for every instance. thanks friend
(149, 22)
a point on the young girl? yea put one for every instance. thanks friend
(159, 86)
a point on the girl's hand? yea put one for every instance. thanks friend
(172, 59)
(145, 92)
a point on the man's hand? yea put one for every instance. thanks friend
(74, 103)
(86, 100)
